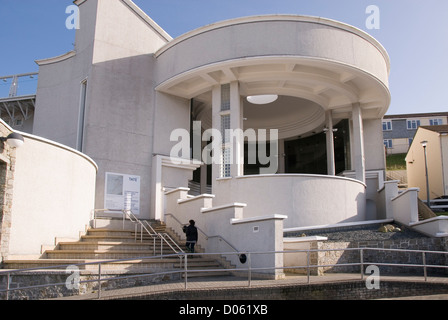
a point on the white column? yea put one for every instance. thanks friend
(358, 143)
(331, 168)
(216, 124)
(236, 125)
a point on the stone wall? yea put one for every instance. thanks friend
(35, 278)
(350, 290)
(7, 167)
(370, 257)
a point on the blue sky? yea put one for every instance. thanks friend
(414, 32)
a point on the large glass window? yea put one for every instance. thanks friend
(308, 155)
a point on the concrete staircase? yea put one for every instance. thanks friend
(111, 239)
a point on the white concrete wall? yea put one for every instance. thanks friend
(304, 199)
(59, 85)
(373, 145)
(237, 234)
(273, 35)
(54, 189)
(434, 227)
(113, 52)
(405, 207)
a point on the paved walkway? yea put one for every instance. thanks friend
(206, 283)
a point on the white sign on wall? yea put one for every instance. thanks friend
(122, 192)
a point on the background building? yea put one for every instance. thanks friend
(399, 130)
(437, 161)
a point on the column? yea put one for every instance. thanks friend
(358, 143)
(331, 167)
(236, 125)
(227, 118)
(216, 124)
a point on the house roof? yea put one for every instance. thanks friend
(439, 129)
(416, 115)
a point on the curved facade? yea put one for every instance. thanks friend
(302, 198)
(324, 61)
(331, 80)
(140, 90)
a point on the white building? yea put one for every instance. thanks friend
(127, 92)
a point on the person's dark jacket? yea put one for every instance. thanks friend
(192, 233)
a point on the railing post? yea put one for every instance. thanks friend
(8, 281)
(308, 265)
(186, 270)
(161, 246)
(361, 254)
(424, 266)
(99, 280)
(249, 269)
(141, 233)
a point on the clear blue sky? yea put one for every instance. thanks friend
(414, 32)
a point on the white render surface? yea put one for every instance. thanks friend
(54, 188)
(303, 199)
(140, 83)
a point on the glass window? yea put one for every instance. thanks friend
(226, 161)
(413, 124)
(388, 143)
(225, 127)
(435, 122)
(387, 125)
(225, 97)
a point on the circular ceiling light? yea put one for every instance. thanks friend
(262, 99)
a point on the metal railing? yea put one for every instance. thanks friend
(249, 268)
(14, 81)
(205, 235)
(145, 227)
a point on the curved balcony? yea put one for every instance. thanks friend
(307, 200)
(324, 61)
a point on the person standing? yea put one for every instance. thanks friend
(192, 236)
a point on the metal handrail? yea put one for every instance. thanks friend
(249, 269)
(164, 236)
(136, 221)
(206, 236)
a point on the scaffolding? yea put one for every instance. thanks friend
(17, 106)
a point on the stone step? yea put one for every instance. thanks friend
(104, 244)
(99, 238)
(111, 245)
(111, 233)
(99, 254)
(138, 265)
